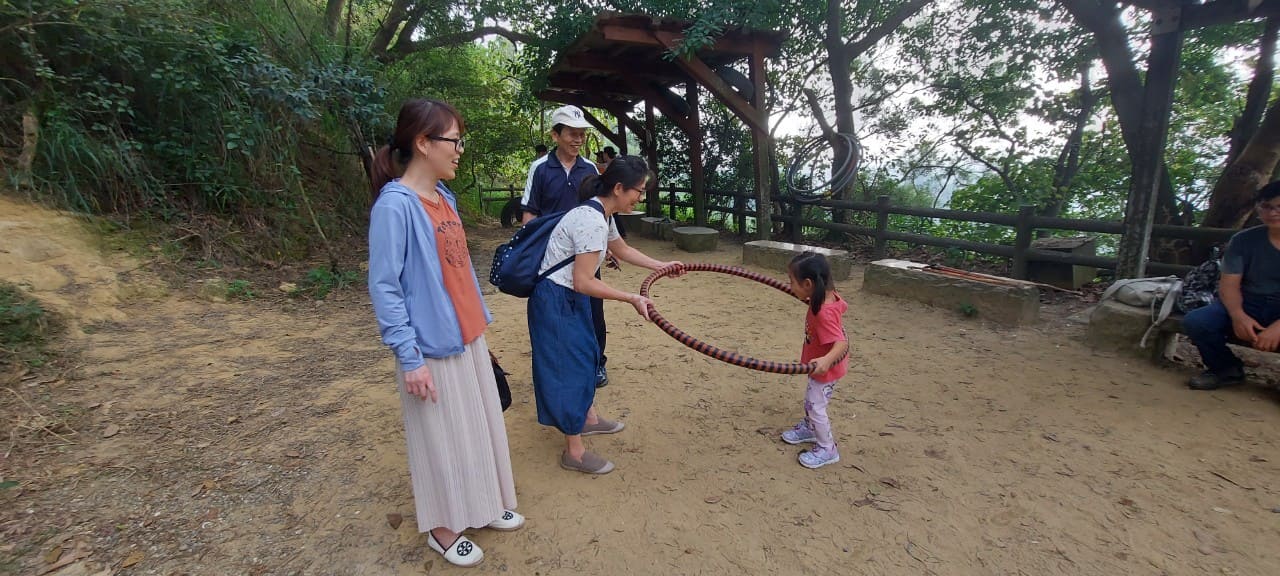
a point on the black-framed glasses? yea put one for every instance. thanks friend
(458, 143)
(1267, 207)
(642, 191)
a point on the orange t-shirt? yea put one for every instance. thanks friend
(455, 266)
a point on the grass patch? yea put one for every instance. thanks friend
(321, 281)
(240, 290)
(24, 327)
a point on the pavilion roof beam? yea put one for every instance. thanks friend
(603, 128)
(619, 65)
(642, 37)
(619, 108)
(719, 88)
(651, 95)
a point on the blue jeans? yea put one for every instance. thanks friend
(1210, 327)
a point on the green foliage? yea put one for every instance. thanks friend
(240, 290)
(24, 327)
(319, 282)
(968, 310)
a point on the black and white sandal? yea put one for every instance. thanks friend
(509, 521)
(462, 552)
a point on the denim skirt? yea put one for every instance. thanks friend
(565, 354)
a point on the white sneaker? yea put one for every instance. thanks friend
(462, 552)
(509, 521)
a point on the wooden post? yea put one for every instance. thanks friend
(882, 225)
(1022, 242)
(760, 144)
(622, 135)
(797, 230)
(698, 185)
(1140, 211)
(653, 202)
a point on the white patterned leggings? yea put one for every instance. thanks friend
(816, 397)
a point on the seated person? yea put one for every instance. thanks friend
(1248, 302)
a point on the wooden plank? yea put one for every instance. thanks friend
(644, 37)
(660, 69)
(761, 144)
(696, 174)
(602, 128)
(582, 100)
(707, 77)
(652, 97)
(653, 206)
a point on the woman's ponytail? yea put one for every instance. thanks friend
(591, 187)
(382, 169)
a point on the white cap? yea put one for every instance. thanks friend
(570, 116)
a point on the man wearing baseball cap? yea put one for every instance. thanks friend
(552, 186)
(553, 180)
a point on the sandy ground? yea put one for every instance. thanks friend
(264, 437)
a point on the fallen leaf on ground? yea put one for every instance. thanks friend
(293, 454)
(53, 554)
(133, 558)
(110, 430)
(233, 419)
(890, 482)
(863, 502)
(711, 499)
(394, 520)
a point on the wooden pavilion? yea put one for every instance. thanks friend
(624, 59)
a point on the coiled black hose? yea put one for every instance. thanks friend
(846, 159)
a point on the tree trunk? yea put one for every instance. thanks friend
(839, 61)
(1259, 89)
(1102, 19)
(333, 16)
(1068, 164)
(1232, 196)
(386, 33)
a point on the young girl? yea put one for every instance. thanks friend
(824, 343)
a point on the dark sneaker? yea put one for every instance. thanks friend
(602, 377)
(1212, 381)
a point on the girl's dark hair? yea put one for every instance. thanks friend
(814, 267)
(630, 171)
(417, 117)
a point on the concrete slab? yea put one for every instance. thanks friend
(776, 256)
(1011, 305)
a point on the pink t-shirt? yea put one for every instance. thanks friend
(821, 332)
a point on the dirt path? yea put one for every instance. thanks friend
(263, 437)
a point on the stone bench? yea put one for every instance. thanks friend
(1118, 327)
(657, 227)
(696, 238)
(777, 255)
(1011, 304)
(629, 222)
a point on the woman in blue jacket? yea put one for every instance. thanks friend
(430, 312)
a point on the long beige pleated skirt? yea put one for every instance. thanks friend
(458, 457)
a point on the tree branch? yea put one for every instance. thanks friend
(403, 48)
(857, 47)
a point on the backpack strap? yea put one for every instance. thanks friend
(1158, 316)
(566, 261)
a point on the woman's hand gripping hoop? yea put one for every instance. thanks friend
(723, 355)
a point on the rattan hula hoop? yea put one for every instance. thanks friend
(723, 355)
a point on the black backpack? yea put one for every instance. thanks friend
(515, 264)
(1200, 286)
